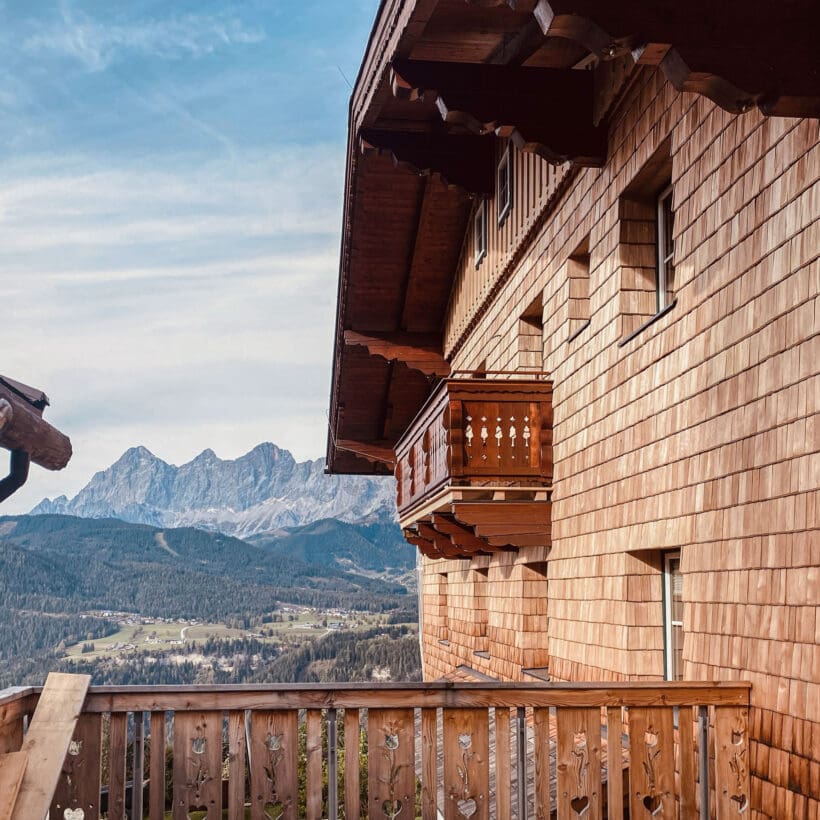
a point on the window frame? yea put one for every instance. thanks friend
(667, 574)
(480, 233)
(664, 247)
(505, 167)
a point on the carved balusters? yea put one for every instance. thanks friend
(652, 763)
(732, 756)
(197, 764)
(466, 764)
(274, 760)
(579, 763)
(391, 749)
(78, 791)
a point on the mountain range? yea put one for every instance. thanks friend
(265, 491)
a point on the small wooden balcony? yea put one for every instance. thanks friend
(474, 469)
(400, 751)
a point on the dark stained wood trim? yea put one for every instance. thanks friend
(418, 351)
(500, 99)
(370, 450)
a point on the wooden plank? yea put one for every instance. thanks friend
(391, 750)
(313, 752)
(12, 770)
(429, 763)
(432, 695)
(156, 770)
(614, 764)
(503, 775)
(117, 749)
(579, 763)
(274, 764)
(138, 765)
(197, 764)
(236, 766)
(47, 741)
(466, 764)
(652, 763)
(688, 778)
(731, 761)
(352, 750)
(11, 736)
(80, 779)
(541, 725)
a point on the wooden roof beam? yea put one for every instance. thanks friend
(418, 351)
(461, 159)
(380, 452)
(459, 534)
(546, 111)
(737, 54)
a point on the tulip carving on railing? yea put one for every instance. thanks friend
(499, 437)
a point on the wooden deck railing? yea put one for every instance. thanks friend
(401, 751)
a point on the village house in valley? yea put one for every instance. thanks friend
(578, 320)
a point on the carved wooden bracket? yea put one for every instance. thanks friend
(543, 110)
(462, 159)
(418, 351)
(737, 54)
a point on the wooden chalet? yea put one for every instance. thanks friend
(577, 320)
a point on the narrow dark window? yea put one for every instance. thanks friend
(504, 186)
(480, 233)
(672, 617)
(578, 281)
(665, 246)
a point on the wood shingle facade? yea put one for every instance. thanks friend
(658, 256)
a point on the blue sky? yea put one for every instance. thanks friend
(170, 204)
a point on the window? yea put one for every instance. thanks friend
(443, 613)
(578, 282)
(480, 578)
(504, 185)
(480, 233)
(665, 248)
(672, 617)
(530, 337)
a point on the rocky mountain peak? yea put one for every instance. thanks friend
(262, 491)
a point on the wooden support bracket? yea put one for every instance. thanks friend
(374, 451)
(418, 351)
(464, 160)
(546, 111)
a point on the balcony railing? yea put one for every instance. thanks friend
(642, 750)
(477, 432)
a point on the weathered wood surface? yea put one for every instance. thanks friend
(156, 792)
(614, 764)
(652, 763)
(198, 764)
(12, 769)
(23, 428)
(274, 764)
(80, 779)
(391, 749)
(313, 755)
(117, 752)
(466, 764)
(429, 772)
(351, 769)
(731, 761)
(47, 741)
(503, 806)
(430, 695)
(237, 757)
(579, 763)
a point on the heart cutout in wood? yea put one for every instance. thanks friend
(73, 814)
(274, 810)
(742, 802)
(392, 808)
(652, 803)
(579, 804)
(467, 808)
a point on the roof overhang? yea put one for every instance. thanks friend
(440, 81)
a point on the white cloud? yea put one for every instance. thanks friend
(97, 45)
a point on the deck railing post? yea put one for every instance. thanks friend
(332, 767)
(521, 760)
(703, 761)
(139, 764)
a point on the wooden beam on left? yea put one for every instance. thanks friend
(374, 451)
(22, 427)
(418, 351)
